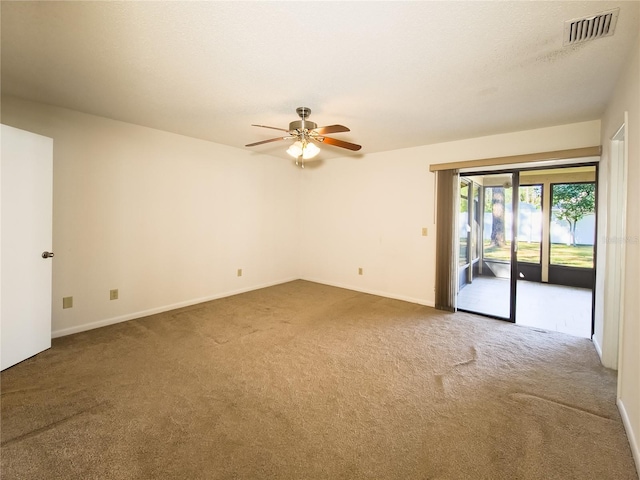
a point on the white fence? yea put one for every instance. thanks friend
(530, 226)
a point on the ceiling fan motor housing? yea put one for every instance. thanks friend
(301, 125)
(303, 113)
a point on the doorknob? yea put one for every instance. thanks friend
(47, 254)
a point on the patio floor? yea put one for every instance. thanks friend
(541, 305)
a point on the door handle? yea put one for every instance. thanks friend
(47, 254)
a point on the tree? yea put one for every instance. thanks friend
(531, 194)
(497, 212)
(574, 201)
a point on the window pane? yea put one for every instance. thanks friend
(573, 224)
(530, 224)
(497, 227)
(476, 242)
(464, 223)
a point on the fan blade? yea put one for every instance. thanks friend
(272, 128)
(266, 141)
(340, 143)
(331, 129)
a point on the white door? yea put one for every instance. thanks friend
(26, 174)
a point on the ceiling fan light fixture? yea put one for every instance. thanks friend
(296, 149)
(303, 149)
(309, 151)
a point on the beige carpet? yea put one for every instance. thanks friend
(305, 381)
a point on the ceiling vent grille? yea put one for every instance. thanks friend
(581, 30)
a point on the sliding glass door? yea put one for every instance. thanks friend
(530, 232)
(486, 230)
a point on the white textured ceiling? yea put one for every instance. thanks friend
(399, 74)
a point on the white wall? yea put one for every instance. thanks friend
(164, 218)
(627, 98)
(369, 212)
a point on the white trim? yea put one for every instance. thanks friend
(597, 346)
(633, 441)
(152, 311)
(378, 293)
(622, 132)
(614, 235)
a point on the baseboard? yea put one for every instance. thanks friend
(404, 298)
(165, 308)
(631, 435)
(594, 340)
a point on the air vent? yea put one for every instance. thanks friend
(584, 29)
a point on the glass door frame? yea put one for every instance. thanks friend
(515, 220)
(515, 172)
(513, 265)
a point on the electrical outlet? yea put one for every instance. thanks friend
(67, 302)
(113, 294)
(424, 231)
(360, 271)
(239, 272)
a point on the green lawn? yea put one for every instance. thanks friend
(561, 254)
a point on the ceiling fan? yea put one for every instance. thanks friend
(305, 132)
